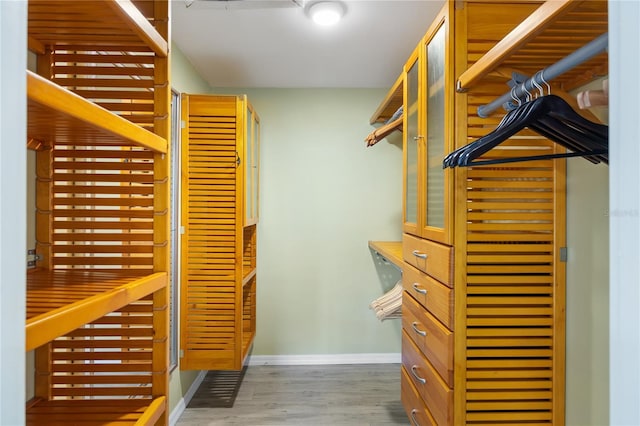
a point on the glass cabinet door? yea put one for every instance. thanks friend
(248, 165)
(435, 212)
(434, 176)
(411, 145)
(255, 175)
(251, 152)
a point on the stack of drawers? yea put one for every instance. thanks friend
(427, 336)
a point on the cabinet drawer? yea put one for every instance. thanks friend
(433, 390)
(437, 298)
(432, 258)
(432, 338)
(412, 402)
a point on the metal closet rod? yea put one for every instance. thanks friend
(588, 51)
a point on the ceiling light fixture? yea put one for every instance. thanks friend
(326, 12)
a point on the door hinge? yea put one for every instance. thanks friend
(32, 258)
(181, 353)
(563, 254)
(182, 231)
(183, 125)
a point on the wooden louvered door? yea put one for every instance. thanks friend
(216, 326)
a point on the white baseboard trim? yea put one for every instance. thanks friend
(325, 359)
(184, 401)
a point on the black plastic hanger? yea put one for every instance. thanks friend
(551, 117)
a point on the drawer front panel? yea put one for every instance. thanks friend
(437, 298)
(412, 402)
(431, 258)
(433, 390)
(432, 338)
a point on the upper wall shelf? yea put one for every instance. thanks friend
(553, 31)
(389, 104)
(55, 113)
(96, 23)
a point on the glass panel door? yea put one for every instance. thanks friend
(255, 182)
(248, 165)
(411, 148)
(435, 107)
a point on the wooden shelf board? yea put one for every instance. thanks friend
(92, 412)
(549, 29)
(390, 103)
(390, 250)
(62, 300)
(56, 114)
(93, 23)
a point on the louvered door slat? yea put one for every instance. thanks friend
(511, 300)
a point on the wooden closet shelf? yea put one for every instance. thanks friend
(553, 31)
(92, 23)
(62, 300)
(96, 412)
(56, 114)
(390, 250)
(390, 103)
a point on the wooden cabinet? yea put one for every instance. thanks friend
(428, 106)
(483, 278)
(427, 252)
(510, 218)
(219, 215)
(97, 298)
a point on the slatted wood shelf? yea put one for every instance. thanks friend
(55, 113)
(62, 300)
(390, 250)
(553, 31)
(93, 23)
(96, 412)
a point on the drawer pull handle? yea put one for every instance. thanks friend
(417, 288)
(419, 254)
(413, 417)
(417, 330)
(418, 378)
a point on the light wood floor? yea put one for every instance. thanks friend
(335, 395)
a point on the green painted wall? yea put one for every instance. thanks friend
(184, 77)
(587, 401)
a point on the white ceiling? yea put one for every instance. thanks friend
(273, 43)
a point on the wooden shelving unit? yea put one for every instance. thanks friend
(97, 301)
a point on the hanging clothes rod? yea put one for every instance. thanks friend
(588, 51)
